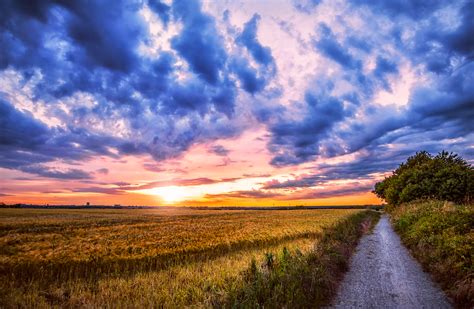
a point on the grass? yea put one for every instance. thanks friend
(296, 279)
(135, 258)
(441, 236)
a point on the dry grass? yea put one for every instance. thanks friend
(136, 258)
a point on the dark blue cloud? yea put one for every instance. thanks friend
(248, 38)
(248, 76)
(437, 111)
(306, 6)
(101, 39)
(461, 39)
(94, 32)
(436, 46)
(224, 97)
(411, 8)
(161, 9)
(191, 95)
(253, 79)
(27, 144)
(294, 141)
(359, 43)
(363, 168)
(384, 67)
(199, 42)
(70, 52)
(65, 49)
(16, 129)
(328, 45)
(450, 100)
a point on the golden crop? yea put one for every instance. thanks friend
(50, 249)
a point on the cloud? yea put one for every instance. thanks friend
(103, 171)
(100, 190)
(90, 65)
(299, 182)
(181, 182)
(100, 39)
(244, 194)
(306, 6)
(113, 85)
(248, 38)
(27, 144)
(16, 128)
(248, 76)
(219, 150)
(45, 171)
(450, 100)
(384, 67)
(199, 42)
(298, 141)
(414, 9)
(253, 79)
(461, 39)
(161, 9)
(123, 187)
(319, 194)
(438, 108)
(328, 45)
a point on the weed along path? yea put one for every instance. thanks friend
(384, 275)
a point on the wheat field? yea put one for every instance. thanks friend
(134, 258)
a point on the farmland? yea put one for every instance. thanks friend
(172, 257)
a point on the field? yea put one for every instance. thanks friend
(136, 258)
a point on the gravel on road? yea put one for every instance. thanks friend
(383, 274)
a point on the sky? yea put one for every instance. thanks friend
(187, 102)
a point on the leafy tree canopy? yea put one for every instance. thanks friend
(445, 176)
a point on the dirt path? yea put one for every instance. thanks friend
(384, 275)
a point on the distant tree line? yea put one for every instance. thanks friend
(445, 176)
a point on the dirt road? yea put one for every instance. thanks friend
(384, 275)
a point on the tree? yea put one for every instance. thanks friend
(446, 176)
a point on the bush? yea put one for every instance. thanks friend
(444, 177)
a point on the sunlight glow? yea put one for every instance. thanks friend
(171, 194)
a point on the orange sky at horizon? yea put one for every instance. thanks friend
(178, 181)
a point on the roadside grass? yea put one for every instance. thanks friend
(60, 258)
(294, 279)
(441, 237)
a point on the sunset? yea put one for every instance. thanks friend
(150, 133)
(227, 103)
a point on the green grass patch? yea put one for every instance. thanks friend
(441, 237)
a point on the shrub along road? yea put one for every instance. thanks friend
(384, 275)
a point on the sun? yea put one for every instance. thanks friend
(171, 194)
